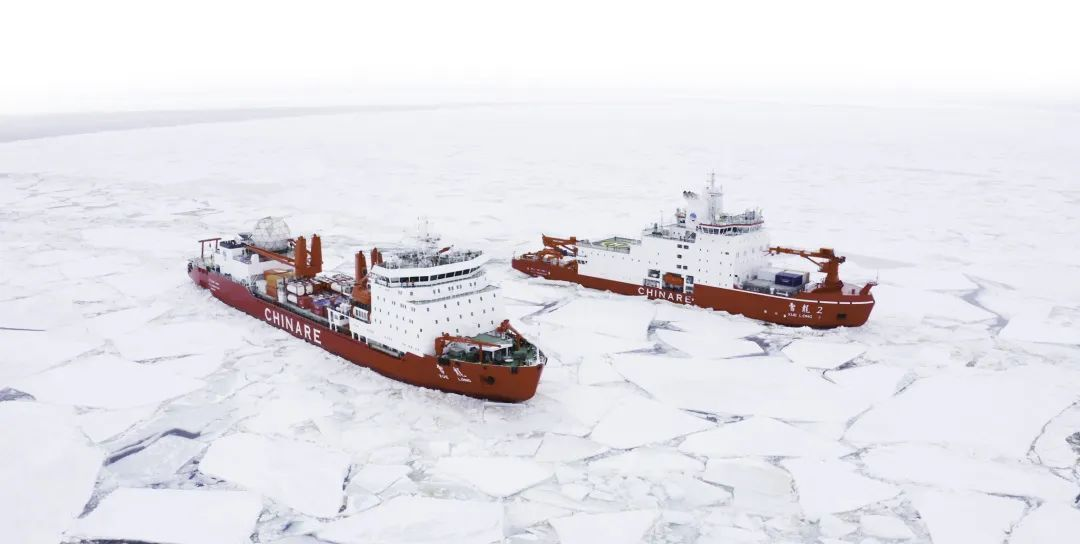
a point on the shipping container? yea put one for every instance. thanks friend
(791, 279)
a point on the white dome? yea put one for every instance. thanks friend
(271, 233)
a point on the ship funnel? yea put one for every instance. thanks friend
(376, 257)
(316, 254)
(300, 258)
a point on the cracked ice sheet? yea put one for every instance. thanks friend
(615, 316)
(1002, 412)
(1051, 523)
(47, 471)
(935, 466)
(830, 486)
(615, 528)
(764, 437)
(958, 517)
(300, 475)
(420, 520)
(106, 382)
(768, 386)
(819, 353)
(495, 476)
(636, 421)
(707, 346)
(175, 516)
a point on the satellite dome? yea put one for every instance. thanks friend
(271, 233)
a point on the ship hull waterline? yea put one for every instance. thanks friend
(488, 382)
(810, 309)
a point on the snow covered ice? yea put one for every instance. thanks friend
(134, 406)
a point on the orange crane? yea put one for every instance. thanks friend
(828, 262)
(305, 266)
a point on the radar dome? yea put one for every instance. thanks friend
(271, 233)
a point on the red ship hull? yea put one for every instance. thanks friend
(490, 382)
(810, 309)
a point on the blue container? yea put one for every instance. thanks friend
(790, 279)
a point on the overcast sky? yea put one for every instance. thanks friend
(105, 54)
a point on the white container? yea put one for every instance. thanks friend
(291, 298)
(260, 285)
(281, 295)
(308, 288)
(292, 287)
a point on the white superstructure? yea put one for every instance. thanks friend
(418, 295)
(703, 245)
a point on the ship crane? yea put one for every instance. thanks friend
(305, 265)
(557, 248)
(827, 261)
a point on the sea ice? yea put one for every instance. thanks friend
(647, 462)
(106, 382)
(1051, 523)
(627, 527)
(157, 462)
(761, 436)
(1002, 411)
(767, 386)
(621, 317)
(178, 339)
(376, 478)
(47, 471)
(708, 346)
(916, 304)
(420, 520)
(702, 322)
(818, 353)
(759, 486)
(830, 486)
(561, 448)
(101, 425)
(300, 475)
(496, 476)
(887, 527)
(961, 517)
(1040, 327)
(173, 516)
(596, 370)
(636, 421)
(931, 465)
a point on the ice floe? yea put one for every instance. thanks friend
(615, 528)
(420, 520)
(759, 486)
(612, 315)
(157, 462)
(1041, 327)
(1002, 412)
(647, 462)
(818, 353)
(767, 386)
(887, 527)
(47, 471)
(636, 421)
(1051, 523)
(495, 476)
(829, 486)
(708, 346)
(916, 304)
(300, 475)
(596, 370)
(173, 516)
(106, 382)
(935, 466)
(761, 436)
(560, 448)
(961, 517)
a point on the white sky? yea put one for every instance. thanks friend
(108, 54)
